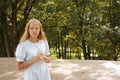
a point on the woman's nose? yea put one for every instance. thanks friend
(34, 30)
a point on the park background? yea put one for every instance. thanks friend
(76, 29)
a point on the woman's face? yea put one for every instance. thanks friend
(34, 29)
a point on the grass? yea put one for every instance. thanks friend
(53, 56)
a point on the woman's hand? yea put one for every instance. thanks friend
(43, 57)
(37, 58)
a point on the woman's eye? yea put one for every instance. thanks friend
(36, 28)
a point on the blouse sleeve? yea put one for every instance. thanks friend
(47, 51)
(20, 53)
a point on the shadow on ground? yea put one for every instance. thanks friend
(67, 70)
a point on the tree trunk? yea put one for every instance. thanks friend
(89, 52)
(79, 54)
(84, 49)
(4, 29)
(14, 26)
(2, 47)
(27, 10)
(58, 46)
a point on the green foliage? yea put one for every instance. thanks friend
(5, 3)
(68, 22)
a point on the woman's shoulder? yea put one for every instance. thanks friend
(43, 41)
(23, 43)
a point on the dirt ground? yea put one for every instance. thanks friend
(67, 70)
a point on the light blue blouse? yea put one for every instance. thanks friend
(26, 51)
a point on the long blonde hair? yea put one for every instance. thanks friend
(26, 34)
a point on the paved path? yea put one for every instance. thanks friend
(67, 70)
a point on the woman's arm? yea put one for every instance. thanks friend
(46, 59)
(23, 65)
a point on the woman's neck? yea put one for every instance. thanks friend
(34, 40)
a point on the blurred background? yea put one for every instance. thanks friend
(75, 29)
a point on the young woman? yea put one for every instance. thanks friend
(32, 53)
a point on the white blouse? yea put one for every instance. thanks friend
(26, 51)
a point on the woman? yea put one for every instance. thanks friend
(32, 52)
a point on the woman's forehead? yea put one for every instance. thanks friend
(34, 23)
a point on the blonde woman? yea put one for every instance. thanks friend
(32, 53)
